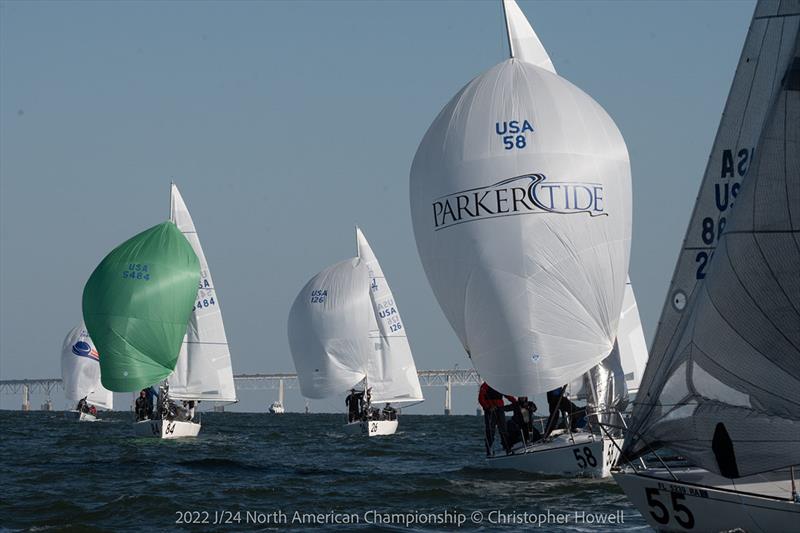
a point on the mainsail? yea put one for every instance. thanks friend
(137, 303)
(203, 370)
(328, 330)
(391, 373)
(723, 382)
(630, 341)
(523, 43)
(521, 203)
(80, 370)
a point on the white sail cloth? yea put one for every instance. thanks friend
(521, 204)
(328, 330)
(523, 42)
(203, 370)
(723, 384)
(629, 355)
(391, 373)
(80, 370)
(630, 341)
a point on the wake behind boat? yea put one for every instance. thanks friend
(345, 333)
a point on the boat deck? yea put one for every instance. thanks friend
(776, 484)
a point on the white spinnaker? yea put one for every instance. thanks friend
(521, 203)
(329, 330)
(630, 341)
(80, 370)
(523, 42)
(391, 372)
(203, 370)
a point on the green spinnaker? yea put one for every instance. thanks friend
(137, 304)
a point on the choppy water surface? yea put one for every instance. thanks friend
(60, 475)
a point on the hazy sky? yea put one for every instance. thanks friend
(285, 124)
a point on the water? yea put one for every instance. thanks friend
(61, 475)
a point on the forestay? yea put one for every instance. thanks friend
(521, 203)
(80, 370)
(723, 383)
(203, 370)
(391, 372)
(328, 330)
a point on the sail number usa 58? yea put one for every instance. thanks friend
(513, 133)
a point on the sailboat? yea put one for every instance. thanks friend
(276, 407)
(722, 385)
(203, 372)
(521, 203)
(158, 330)
(136, 306)
(80, 373)
(345, 332)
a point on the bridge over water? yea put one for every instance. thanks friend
(427, 378)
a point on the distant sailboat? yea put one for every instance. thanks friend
(136, 305)
(80, 373)
(521, 204)
(345, 331)
(276, 407)
(203, 371)
(138, 290)
(722, 386)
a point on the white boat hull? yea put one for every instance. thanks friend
(373, 428)
(276, 408)
(576, 455)
(79, 416)
(692, 505)
(166, 429)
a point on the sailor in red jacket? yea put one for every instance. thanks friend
(493, 415)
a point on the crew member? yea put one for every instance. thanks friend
(141, 406)
(82, 406)
(560, 405)
(520, 427)
(353, 403)
(493, 416)
(389, 412)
